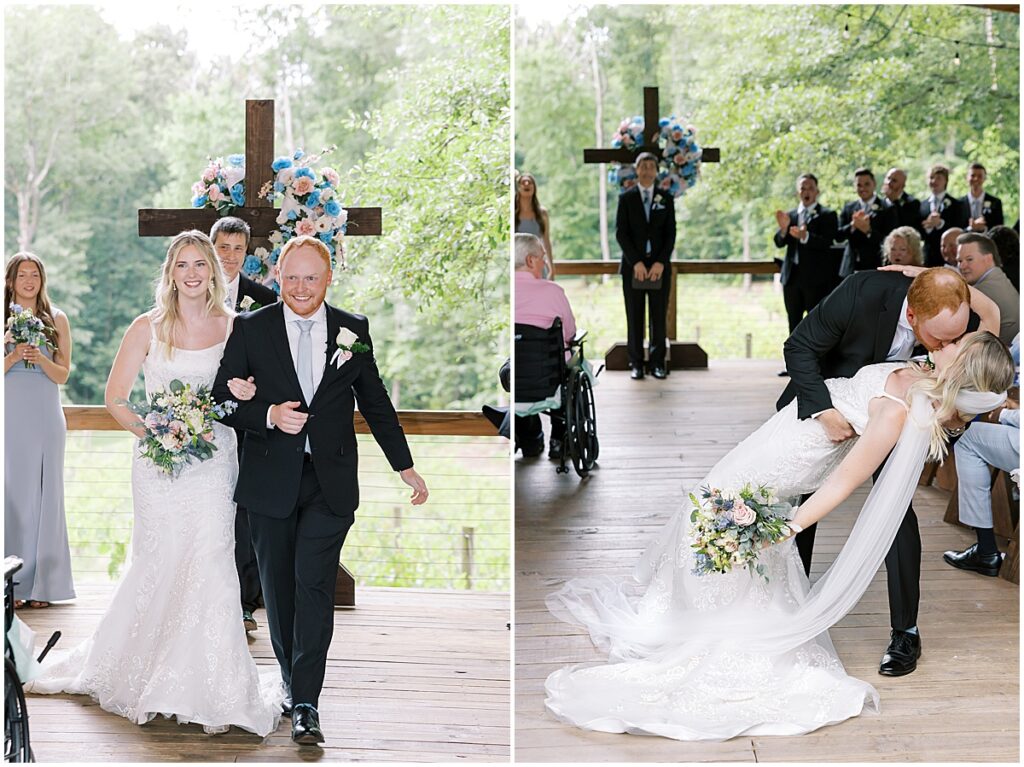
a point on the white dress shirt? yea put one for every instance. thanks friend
(318, 343)
(975, 205)
(904, 341)
(231, 300)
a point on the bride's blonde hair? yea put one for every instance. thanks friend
(983, 364)
(166, 315)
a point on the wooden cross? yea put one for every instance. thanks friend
(651, 132)
(258, 212)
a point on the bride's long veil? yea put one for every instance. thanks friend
(618, 622)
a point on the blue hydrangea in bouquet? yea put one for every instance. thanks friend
(23, 327)
(677, 148)
(221, 185)
(731, 527)
(309, 206)
(179, 425)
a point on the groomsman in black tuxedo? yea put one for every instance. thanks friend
(230, 237)
(863, 225)
(806, 232)
(984, 211)
(645, 227)
(939, 211)
(907, 208)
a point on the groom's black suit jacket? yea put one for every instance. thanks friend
(271, 466)
(852, 327)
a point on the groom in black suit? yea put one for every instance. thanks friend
(297, 477)
(645, 228)
(876, 316)
(230, 237)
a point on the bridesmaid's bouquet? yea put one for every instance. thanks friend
(23, 327)
(179, 425)
(731, 527)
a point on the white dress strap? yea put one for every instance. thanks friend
(894, 398)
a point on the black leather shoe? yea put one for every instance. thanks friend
(248, 621)
(637, 374)
(901, 655)
(555, 449)
(783, 374)
(659, 372)
(534, 449)
(286, 706)
(306, 725)
(970, 559)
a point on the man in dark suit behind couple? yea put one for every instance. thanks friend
(298, 473)
(879, 316)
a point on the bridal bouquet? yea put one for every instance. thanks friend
(220, 187)
(23, 327)
(732, 527)
(179, 425)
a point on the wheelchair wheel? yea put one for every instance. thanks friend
(16, 743)
(581, 424)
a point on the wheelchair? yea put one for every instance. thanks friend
(17, 747)
(546, 383)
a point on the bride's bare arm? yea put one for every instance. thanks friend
(986, 309)
(127, 363)
(885, 421)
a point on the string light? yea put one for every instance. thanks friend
(957, 43)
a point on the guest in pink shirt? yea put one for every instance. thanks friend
(538, 303)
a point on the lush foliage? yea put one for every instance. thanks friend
(780, 91)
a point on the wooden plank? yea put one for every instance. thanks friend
(259, 151)
(464, 423)
(962, 704)
(167, 222)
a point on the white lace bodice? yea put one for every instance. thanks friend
(191, 366)
(851, 396)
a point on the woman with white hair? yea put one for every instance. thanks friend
(902, 247)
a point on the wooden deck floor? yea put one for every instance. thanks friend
(412, 675)
(658, 437)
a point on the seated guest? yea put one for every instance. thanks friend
(1008, 247)
(863, 225)
(948, 246)
(983, 210)
(538, 303)
(982, 446)
(976, 256)
(894, 191)
(902, 246)
(939, 211)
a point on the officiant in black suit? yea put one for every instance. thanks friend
(879, 316)
(645, 227)
(298, 474)
(230, 237)
(809, 273)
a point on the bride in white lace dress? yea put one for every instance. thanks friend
(172, 640)
(710, 657)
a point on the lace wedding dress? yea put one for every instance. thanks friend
(710, 657)
(172, 641)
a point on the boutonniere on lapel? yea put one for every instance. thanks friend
(249, 305)
(348, 343)
(812, 213)
(875, 207)
(945, 203)
(659, 201)
(986, 206)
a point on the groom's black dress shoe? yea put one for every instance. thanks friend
(901, 655)
(659, 372)
(970, 559)
(306, 725)
(637, 373)
(286, 705)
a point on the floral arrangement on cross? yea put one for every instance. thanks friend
(221, 185)
(677, 148)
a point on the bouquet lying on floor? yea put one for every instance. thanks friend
(731, 527)
(179, 425)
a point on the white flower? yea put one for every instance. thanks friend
(168, 441)
(276, 237)
(342, 218)
(261, 253)
(247, 302)
(326, 194)
(324, 224)
(286, 175)
(346, 337)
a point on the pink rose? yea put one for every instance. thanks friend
(332, 176)
(210, 173)
(305, 227)
(679, 159)
(302, 185)
(742, 514)
(215, 194)
(198, 188)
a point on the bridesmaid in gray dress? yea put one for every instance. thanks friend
(34, 432)
(532, 218)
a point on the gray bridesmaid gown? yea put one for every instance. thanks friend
(34, 524)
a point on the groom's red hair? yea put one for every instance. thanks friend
(936, 289)
(297, 242)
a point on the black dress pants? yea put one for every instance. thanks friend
(638, 303)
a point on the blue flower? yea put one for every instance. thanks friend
(281, 163)
(278, 186)
(236, 159)
(307, 172)
(299, 154)
(663, 122)
(238, 194)
(313, 199)
(325, 237)
(198, 202)
(274, 255)
(292, 215)
(331, 249)
(252, 264)
(332, 208)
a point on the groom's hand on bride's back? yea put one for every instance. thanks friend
(287, 418)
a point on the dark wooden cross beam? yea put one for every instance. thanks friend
(680, 355)
(258, 212)
(261, 216)
(651, 132)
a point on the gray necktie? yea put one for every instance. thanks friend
(976, 208)
(304, 364)
(647, 203)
